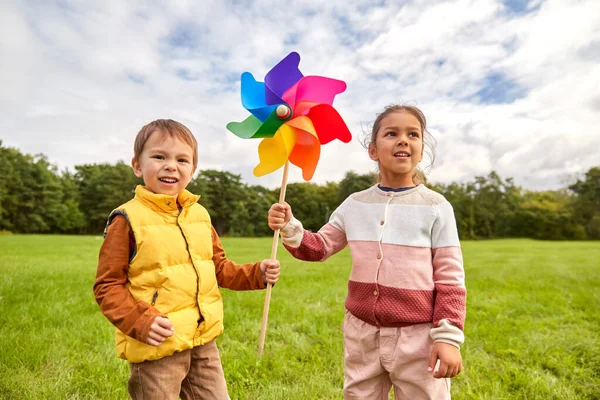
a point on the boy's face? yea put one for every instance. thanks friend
(165, 164)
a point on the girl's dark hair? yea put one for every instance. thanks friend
(428, 139)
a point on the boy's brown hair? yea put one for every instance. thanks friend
(167, 127)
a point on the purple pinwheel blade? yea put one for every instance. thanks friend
(281, 77)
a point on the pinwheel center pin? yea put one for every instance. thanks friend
(283, 111)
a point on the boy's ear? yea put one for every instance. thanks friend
(373, 152)
(136, 167)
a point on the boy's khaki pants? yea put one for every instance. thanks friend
(192, 374)
(377, 358)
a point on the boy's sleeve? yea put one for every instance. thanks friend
(110, 288)
(449, 279)
(235, 276)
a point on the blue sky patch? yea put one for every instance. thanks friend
(183, 37)
(498, 89)
(520, 6)
(135, 78)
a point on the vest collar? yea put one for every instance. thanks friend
(165, 202)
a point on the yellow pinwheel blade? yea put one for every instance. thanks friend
(274, 152)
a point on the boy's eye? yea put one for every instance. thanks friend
(183, 160)
(158, 157)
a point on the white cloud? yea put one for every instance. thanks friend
(513, 92)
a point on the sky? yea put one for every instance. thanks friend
(506, 85)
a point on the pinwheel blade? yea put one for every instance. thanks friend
(328, 124)
(253, 97)
(317, 89)
(253, 128)
(307, 150)
(274, 152)
(281, 77)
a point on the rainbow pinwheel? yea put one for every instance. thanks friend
(293, 114)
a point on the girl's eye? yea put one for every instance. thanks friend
(414, 134)
(389, 133)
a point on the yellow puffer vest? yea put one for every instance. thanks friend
(172, 269)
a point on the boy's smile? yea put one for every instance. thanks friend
(165, 164)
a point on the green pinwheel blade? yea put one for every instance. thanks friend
(253, 128)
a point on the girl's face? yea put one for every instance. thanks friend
(398, 148)
(165, 164)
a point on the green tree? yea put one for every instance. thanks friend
(587, 202)
(353, 182)
(102, 188)
(222, 192)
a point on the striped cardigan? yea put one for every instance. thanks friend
(407, 264)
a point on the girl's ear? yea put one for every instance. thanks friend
(422, 149)
(373, 152)
(136, 167)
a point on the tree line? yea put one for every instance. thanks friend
(35, 197)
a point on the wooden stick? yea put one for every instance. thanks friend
(265, 317)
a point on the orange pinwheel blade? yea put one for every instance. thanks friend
(307, 150)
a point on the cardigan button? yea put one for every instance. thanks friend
(379, 256)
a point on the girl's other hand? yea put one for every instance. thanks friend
(450, 360)
(279, 215)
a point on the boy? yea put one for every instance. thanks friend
(159, 272)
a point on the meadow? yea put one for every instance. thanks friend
(533, 318)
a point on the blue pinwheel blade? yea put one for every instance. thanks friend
(253, 97)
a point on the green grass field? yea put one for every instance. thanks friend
(532, 326)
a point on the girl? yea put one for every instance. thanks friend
(405, 308)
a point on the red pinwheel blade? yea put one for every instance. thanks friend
(328, 124)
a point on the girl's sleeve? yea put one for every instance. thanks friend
(131, 317)
(449, 279)
(309, 246)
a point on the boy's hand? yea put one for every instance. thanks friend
(450, 360)
(270, 271)
(160, 330)
(279, 215)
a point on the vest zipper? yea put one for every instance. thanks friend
(154, 297)
(187, 246)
